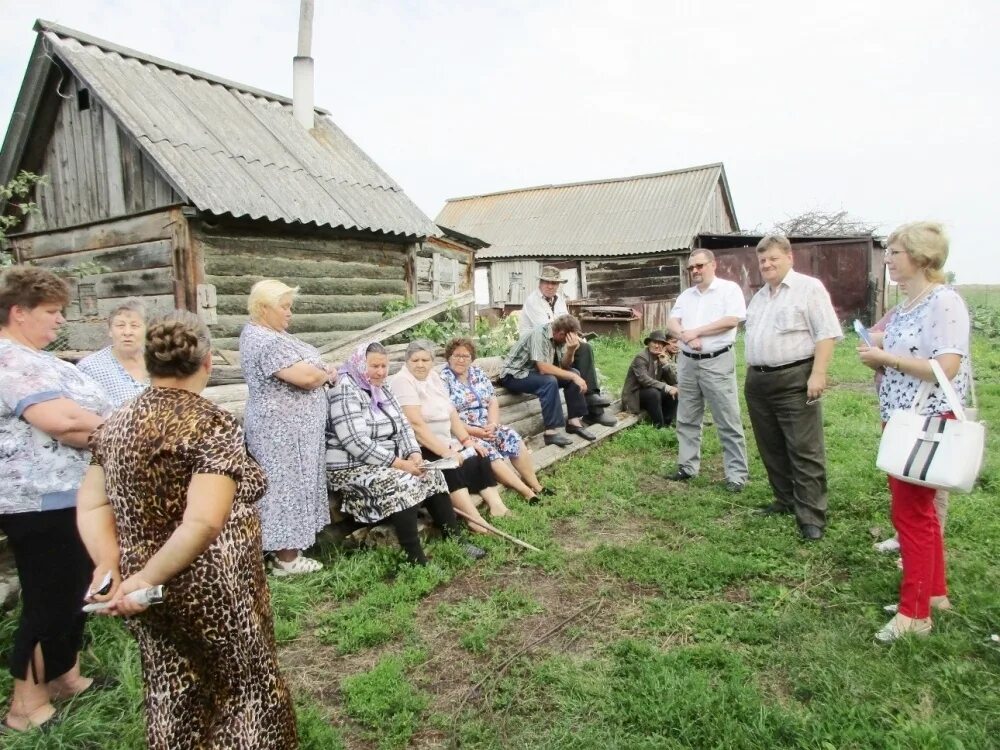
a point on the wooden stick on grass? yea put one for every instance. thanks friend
(494, 530)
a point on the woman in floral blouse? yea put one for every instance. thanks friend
(475, 400)
(48, 409)
(933, 323)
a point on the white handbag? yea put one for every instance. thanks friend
(933, 451)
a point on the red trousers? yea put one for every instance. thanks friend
(920, 546)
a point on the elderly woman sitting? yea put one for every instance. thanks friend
(120, 369)
(426, 404)
(373, 459)
(475, 400)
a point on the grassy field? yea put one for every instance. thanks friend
(657, 616)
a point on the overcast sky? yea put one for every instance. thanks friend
(886, 108)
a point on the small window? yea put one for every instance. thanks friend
(83, 99)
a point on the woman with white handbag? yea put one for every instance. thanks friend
(927, 333)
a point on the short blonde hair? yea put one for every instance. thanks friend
(267, 293)
(779, 241)
(927, 245)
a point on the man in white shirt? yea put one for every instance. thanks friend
(544, 305)
(705, 318)
(790, 334)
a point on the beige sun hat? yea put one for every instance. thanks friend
(551, 273)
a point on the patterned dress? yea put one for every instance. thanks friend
(117, 382)
(472, 401)
(284, 429)
(362, 443)
(208, 652)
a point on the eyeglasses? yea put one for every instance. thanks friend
(697, 266)
(811, 401)
(461, 357)
(889, 253)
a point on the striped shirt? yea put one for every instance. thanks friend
(784, 327)
(534, 346)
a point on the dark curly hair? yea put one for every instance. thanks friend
(176, 344)
(461, 342)
(29, 287)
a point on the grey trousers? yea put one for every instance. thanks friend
(711, 381)
(789, 435)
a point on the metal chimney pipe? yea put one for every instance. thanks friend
(303, 99)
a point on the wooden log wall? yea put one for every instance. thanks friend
(344, 284)
(632, 280)
(93, 169)
(139, 258)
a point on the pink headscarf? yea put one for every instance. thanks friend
(356, 367)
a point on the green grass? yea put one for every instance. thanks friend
(657, 615)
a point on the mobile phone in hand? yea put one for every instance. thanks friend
(863, 332)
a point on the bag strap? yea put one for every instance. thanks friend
(954, 402)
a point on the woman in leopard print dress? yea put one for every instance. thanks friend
(169, 499)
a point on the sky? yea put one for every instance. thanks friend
(888, 110)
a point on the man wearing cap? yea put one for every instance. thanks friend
(541, 363)
(544, 305)
(704, 318)
(791, 331)
(651, 382)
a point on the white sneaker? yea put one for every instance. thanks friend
(901, 625)
(301, 565)
(887, 546)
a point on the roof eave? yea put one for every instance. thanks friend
(25, 108)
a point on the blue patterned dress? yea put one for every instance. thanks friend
(284, 428)
(472, 401)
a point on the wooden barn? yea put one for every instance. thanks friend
(183, 188)
(618, 241)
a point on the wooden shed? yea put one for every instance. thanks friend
(185, 189)
(618, 241)
(851, 268)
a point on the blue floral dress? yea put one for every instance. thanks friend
(472, 401)
(284, 428)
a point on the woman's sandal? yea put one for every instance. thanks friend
(42, 727)
(301, 565)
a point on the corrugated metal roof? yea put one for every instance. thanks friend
(624, 216)
(232, 149)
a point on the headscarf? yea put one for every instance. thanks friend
(356, 367)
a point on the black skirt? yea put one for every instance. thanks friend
(475, 474)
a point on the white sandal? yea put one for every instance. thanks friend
(887, 546)
(940, 603)
(301, 565)
(900, 625)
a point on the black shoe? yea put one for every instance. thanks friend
(597, 399)
(546, 492)
(581, 431)
(476, 553)
(556, 439)
(811, 533)
(680, 476)
(603, 418)
(734, 487)
(772, 510)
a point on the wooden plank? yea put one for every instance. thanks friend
(235, 304)
(146, 282)
(218, 263)
(242, 284)
(306, 247)
(158, 254)
(113, 165)
(231, 325)
(396, 325)
(130, 230)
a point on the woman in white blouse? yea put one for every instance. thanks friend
(933, 323)
(442, 434)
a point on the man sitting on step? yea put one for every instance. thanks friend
(544, 305)
(541, 363)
